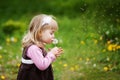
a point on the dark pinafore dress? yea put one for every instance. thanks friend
(31, 72)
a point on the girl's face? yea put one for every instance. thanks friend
(47, 36)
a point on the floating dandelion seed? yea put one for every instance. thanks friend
(55, 41)
(13, 39)
(107, 32)
(94, 65)
(108, 59)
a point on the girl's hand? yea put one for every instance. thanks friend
(57, 51)
(60, 51)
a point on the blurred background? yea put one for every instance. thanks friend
(89, 33)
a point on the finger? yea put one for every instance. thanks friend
(60, 49)
(58, 55)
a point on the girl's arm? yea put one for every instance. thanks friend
(38, 59)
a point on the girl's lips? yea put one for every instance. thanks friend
(52, 40)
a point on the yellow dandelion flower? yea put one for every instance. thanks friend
(0, 56)
(65, 65)
(72, 69)
(60, 62)
(110, 47)
(101, 37)
(18, 65)
(80, 59)
(76, 67)
(87, 59)
(118, 47)
(106, 68)
(15, 40)
(2, 77)
(82, 42)
(114, 47)
(8, 40)
(95, 41)
(108, 42)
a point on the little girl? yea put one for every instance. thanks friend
(36, 62)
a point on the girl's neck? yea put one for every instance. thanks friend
(42, 45)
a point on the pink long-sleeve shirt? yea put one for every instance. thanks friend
(36, 55)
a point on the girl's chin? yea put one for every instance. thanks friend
(49, 41)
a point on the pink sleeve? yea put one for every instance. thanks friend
(38, 59)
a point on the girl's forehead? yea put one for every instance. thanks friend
(49, 30)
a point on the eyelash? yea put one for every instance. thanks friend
(51, 33)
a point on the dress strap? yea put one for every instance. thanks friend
(26, 61)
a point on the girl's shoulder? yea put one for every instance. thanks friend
(33, 47)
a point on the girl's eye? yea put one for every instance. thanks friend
(51, 33)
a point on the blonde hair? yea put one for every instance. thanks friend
(36, 26)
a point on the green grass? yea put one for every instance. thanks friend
(83, 52)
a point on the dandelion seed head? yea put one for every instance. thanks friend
(55, 41)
